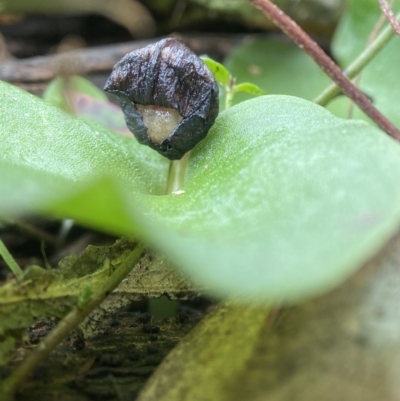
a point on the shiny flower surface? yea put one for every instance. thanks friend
(168, 95)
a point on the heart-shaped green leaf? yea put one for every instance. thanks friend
(282, 199)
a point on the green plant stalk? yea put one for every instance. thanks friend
(359, 63)
(373, 35)
(177, 168)
(228, 96)
(176, 174)
(10, 261)
(229, 92)
(72, 320)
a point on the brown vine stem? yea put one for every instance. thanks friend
(287, 25)
(388, 13)
(72, 320)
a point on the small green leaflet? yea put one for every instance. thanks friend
(220, 73)
(249, 88)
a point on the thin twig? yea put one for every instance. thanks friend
(388, 13)
(287, 25)
(72, 320)
(100, 59)
(30, 230)
(357, 65)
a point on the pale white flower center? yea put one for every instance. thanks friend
(160, 121)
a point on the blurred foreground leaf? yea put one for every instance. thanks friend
(282, 200)
(342, 346)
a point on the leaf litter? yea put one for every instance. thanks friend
(52, 293)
